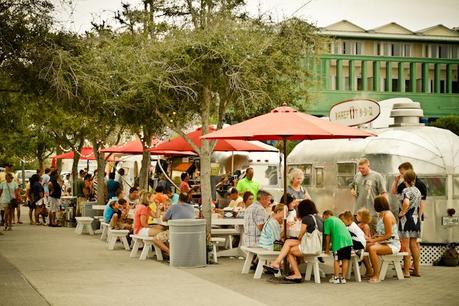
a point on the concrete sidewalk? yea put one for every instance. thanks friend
(66, 269)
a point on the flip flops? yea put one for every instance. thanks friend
(271, 269)
(374, 281)
(294, 280)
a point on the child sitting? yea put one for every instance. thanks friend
(358, 237)
(363, 218)
(341, 240)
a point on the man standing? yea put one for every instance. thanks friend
(398, 186)
(367, 185)
(255, 218)
(55, 192)
(248, 183)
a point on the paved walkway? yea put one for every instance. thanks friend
(54, 266)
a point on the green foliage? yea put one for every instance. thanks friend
(450, 123)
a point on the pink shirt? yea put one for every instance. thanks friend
(141, 210)
(184, 187)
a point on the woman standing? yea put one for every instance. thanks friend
(410, 222)
(298, 192)
(8, 200)
(35, 194)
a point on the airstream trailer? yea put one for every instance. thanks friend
(330, 166)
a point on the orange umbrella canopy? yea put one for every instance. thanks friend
(179, 144)
(287, 123)
(86, 153)
(131, 147)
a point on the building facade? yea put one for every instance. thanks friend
(387, 62)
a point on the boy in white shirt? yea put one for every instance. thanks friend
(358, 236)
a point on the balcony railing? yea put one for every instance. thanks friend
(400, 74)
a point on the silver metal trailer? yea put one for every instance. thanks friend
(330, 166)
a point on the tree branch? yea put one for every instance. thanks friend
(178, 131)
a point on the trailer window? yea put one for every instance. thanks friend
(346, 172)
(307, 170)
(319, 177)
(266, 175)
(456, 187)
(436, 186)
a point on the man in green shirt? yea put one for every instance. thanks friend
(341, 240)
(248, 183)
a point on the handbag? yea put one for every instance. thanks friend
(13, 202)
(277, 245)
(311, 243)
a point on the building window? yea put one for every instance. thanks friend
(441, 51)
(319, 177)
(385, 48)
(346, 172)
(348, 47)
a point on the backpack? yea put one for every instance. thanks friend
(311, 243)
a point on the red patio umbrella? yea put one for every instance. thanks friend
(179, 144)
(86, 153)
(286, 123)
(131, 147)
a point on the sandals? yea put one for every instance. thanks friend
(374, 280)
(293, 279)
(271, 269)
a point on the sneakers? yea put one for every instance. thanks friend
(334, 280)
(337, 280)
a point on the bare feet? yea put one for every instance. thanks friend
(374, 280)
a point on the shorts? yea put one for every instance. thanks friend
(3, 206)
(343, 253)
(163, 236)
(357, 245)
(32, 205)
(144, 232)
(54, 204)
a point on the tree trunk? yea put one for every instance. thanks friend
(146, 160)
(144, 170)
(59, 161)
(76, 159)
(205, 155)
(41, 163)
(100, 174)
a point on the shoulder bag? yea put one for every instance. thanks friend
(13, 202)
(311, 243)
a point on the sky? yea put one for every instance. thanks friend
(412, 14)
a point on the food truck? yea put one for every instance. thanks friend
(330, 166)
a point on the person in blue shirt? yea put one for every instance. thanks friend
(272, 229)
(112, 185)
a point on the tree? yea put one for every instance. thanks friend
(449, 122)
(223, 65)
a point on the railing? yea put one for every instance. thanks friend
(383, 66)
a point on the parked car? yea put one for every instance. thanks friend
(28, 174)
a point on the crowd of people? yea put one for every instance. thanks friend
(372, 226)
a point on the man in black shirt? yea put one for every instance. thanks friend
(397, 186)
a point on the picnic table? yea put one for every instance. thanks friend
(238, 224)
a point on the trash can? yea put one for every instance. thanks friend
(187, 241)
(87, 210)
